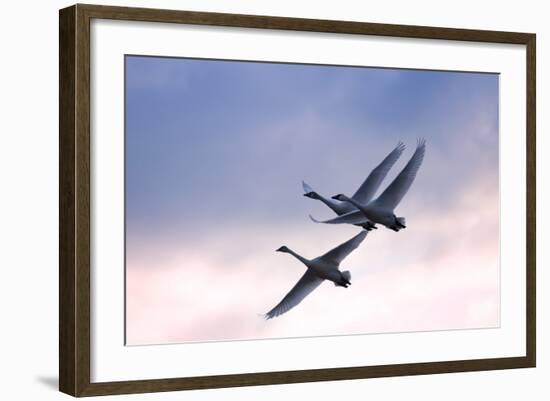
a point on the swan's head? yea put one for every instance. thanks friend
(312, 195)
(283, 249)
(340, 197)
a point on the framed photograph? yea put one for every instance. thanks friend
(249, 200)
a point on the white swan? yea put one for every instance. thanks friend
(381, 210)
(325, 267)
(365, 192)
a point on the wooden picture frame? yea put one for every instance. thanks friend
(74, 200)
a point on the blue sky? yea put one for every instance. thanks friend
(198, 131)
(222, 146)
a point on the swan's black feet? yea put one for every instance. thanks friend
(369, 226)
(399, 223)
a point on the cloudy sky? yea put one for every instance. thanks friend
(215, 155)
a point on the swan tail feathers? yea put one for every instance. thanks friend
(401, 222)
(345, 280)
(347, 275)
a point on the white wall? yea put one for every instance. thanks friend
(28, 205)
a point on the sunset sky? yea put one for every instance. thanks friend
(215, 155)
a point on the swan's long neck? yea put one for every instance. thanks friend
(355, 203)
(336, 206)
(300, 258)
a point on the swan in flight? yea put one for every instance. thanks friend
(365, 192)
(324, 267)
(381, 210)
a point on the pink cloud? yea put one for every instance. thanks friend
(441, 273)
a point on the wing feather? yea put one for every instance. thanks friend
(366, 191)
(338, 254)
(307, 283)
(306, 187)
(353, 217)
(393, 194)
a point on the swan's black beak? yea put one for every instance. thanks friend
(281, 249)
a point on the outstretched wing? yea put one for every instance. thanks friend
(393, 194)
(353, 217)
(371, 184)
(307, 188)
(339, 253)
(307, 283)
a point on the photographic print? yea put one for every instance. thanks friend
(270, 200)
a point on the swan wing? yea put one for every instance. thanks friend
(307, 283)
(366, 191)
(353, 217)
(393, 194)
(338, 254)
(306, 187)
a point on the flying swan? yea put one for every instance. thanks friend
(325, 267)
(381, 210)
(365, 192)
